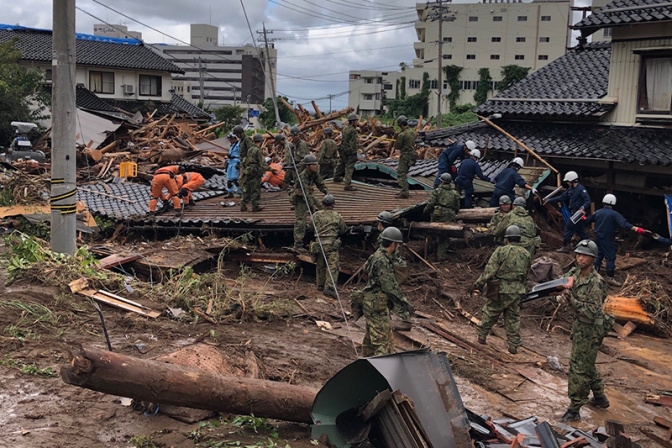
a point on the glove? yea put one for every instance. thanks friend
(639, 230)
(535, 191)
(453, 169)
(410, 308)
(656, 236)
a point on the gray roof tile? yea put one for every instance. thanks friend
(627, 12)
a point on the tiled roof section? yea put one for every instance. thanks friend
(581, 75)
(188, 108)
(35, 45)
(628, 12)
(615, 143)
(86, 99)
(178, 105)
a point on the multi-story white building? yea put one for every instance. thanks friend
(474, 36)
(228, 74)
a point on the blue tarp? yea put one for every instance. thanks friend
(78, 36)
(668, 205)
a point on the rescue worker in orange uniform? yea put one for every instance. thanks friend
(187, 183)
(165, 177)
(275, 176)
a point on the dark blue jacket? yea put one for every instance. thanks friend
(607, 221)
(449, 155)
(574, 198)
(508, 179)
(469, 168)
(666, 241)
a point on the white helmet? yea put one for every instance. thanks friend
(470, 145)
(476, 154)
(609, 199)
(268, 160)
(571, 176)
(519, 161)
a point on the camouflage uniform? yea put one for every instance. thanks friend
(299, 150)
(347, 154)
(245, 144)
(327, 158)
(443, 204)
(329, 226)
(253, 167)
(528, 229)
(494, 223)
(510, 265)
(309, 179)
(381, 293)
(407, 156)
(588, 330)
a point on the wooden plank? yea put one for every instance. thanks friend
(656, 438)
(115, 260)
(118, 303)
(376, 405)
(625, 330)
(661, 400)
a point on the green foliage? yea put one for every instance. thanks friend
(253, 423)
(452, 73)
(6, 198)
(403, 66)
(142, 442)
(457, 118)
(402, 91)
(229, 114)
(20, 89)
(396, 90)
(27, 369)
(267, 115)
(511, 74)
(481, 95)
(412, 106)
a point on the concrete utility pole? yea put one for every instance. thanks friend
(64, 116)
(201, 80)
(234, 95)
(330, 98)
(438, 14)
(247, 114)
(265, 33)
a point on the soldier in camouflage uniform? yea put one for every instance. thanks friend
(509, 265)
(329, 225)
(443, 204)
(520, 217)
(381, 294)
(299, 149)
(347, 154)
(308, 179)
(245, 144)
(586, 296)
(328, 155)
(504, 208)
(253, 166)
(407, 155)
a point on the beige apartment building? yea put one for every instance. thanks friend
(474, 36)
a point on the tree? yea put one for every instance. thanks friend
(452, 73)
(481, 95)
(402, 90)
(396, 90)
(267, 115)
(22, 96)
(511, 74)
(403, 66)
(411, 106)
(231, 115)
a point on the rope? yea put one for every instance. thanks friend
(324, 254)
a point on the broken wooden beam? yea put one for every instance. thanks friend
(476, 214)
(332, 116)
(630, 309)
(446, 228)
(159, 382)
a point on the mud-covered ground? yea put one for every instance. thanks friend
(38, 409)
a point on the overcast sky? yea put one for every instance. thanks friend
(318, 44)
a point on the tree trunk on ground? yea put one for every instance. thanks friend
(476, 214)
(444, 228)
(158, 382)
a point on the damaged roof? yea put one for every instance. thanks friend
(626, 12)
(569, 87)
(177, 105)
(35, 45)
(581, 141)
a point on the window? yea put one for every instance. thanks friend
(188, 89)
(544, 39)
(447, 56)
(433, 84)
(471, 56)
(355, 76)
(606, 32)
(494, 57)
(519, 57)
(413, 83)
(520, 39)
(471, 39)
(473, 19)
(522, 18)
(388, 86)
(496, 39)
(447, 39)
(494, 85)
(368, 96)
(368, 80)
(496, 18)
(101, 82)
(379, 80)
(543, 57)
(48, 75)
(655, 89)
(150, 85)
(377, 96)
(545, 18)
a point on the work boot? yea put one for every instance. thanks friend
(349, 188)
(165, 207)
(337, 180)
(257, 208)
(243, 207)
(402, 195)
(599, 402)
(513, 350)
(191, 203)
(320, 288)
(330, 292)
(178, 212)
(404, 325)
(151, 213)
(481, 340)
(228, 195)
(611, 281)
(565, 249)
(571, 416)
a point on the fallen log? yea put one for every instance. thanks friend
(445, 228)
(476, 214)
(332, 116)
(159, 382)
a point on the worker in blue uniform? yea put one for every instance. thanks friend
(449, 156)
(469, 168)
(662, 240)
(506, 181)
(232, 169)
(575, 198)
(607, 221)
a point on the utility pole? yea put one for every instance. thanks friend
(265, 34)
(249, 97)
(64, 115)
(201, 80)
(330, 98)
(438, 14)
(234, 95)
